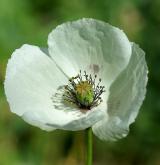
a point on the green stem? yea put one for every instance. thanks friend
(89, 146)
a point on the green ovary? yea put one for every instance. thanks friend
(84, 93)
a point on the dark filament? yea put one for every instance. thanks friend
(70, 94)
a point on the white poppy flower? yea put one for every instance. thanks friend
(90, 76)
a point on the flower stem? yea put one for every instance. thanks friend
(89, 146)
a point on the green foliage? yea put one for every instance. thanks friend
(28, 21)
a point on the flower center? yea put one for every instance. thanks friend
(83, 91)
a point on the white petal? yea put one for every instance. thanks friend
(73, 120)
(37, 119)
(90, 45)
(32, 78)
(126, 96)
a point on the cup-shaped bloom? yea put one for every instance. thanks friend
(91, 75)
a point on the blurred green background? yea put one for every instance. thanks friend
(30, 21)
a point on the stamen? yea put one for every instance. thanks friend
(83, 91)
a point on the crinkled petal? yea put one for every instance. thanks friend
(126, 96)
(67, 120)
(32, 79)
(37, 119)
(91, 45)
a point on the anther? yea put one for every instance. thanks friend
(83, 92)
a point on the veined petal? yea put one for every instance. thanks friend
(37, 119)
(73, 119)
(32, 79)
(70, 117)
(91, 45)
(126, 96)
